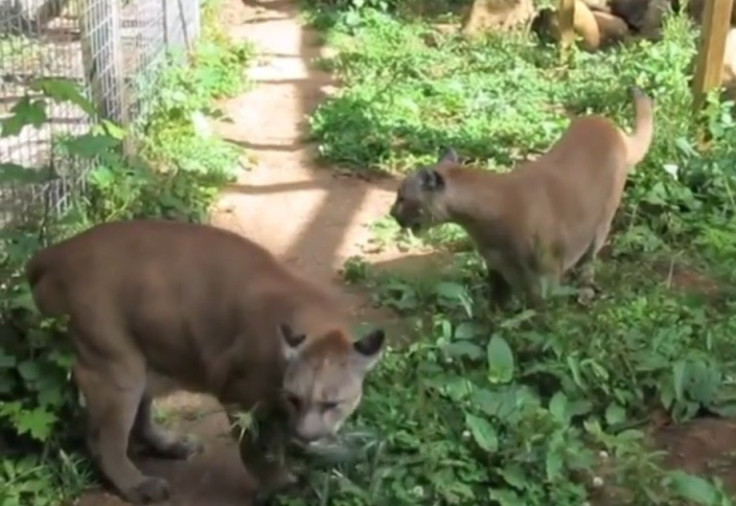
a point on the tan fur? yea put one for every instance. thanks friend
(486, 16)
(596, 28)
(597, 5)
(613, 29)
(584, 24)
(545, 217)
(214, 313)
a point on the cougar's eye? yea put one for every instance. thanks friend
(328, 406)
(293, 401)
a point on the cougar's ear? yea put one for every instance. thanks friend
(449, 155)
(369, 349)
(290, 341)
(431, 180)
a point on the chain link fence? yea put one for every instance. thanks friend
(112, 48)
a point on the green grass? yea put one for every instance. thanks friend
(528, 408)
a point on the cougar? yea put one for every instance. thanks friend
(213, 312)
(533, 224)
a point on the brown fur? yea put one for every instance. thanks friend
(214, 313)
(549, 215)
(613, 29)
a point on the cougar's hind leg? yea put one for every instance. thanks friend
(585, 268)
(110, 373)
(156, 439)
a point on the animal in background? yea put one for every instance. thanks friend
(214, 313)
(601, 23)
(544, 218)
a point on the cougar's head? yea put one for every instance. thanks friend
(418, 199)
(323, 383)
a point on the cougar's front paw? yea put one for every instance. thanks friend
(149, 490)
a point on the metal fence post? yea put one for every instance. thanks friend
(103, 57)
(165, 18)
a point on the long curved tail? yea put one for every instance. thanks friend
(641, 138)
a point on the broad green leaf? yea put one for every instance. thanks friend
(498, 404)
(29, 370)
(693, 488)
(574, 365)
(51, 396)
(91, 145)
(113, 129)
(468, 330)
(553, 465)
(615, 414)
(63, 90)
(514, 475)
(500, 361)
(506, 497)
(464, 349)
(579, 407)
(705, 381)
(37, 423)
(630, 435)
(667, 396)
(6, 361)
(102, 176)
(25, 301)
(483, 432)
(457, 388)
(450, 290)
(558, 406)
(25, 112)
(11, 172)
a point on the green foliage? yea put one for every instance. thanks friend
(176, 173)
(528, 408)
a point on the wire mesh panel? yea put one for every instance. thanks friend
(144, 44)
(182, 23)
(110, 47)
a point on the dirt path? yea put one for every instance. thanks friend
(310, 218)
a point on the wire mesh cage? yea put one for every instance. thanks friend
(108, 47)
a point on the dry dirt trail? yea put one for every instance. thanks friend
(308, 217)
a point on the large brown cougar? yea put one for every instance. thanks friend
(215, 313)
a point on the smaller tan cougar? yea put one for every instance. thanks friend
(547, 216)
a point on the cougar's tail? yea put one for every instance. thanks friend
(641, 138)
